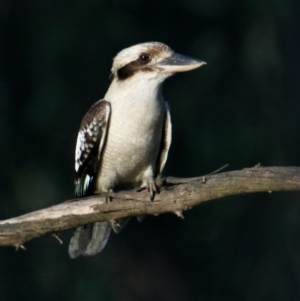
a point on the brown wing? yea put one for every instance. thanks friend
(90, 141)
(165, 142)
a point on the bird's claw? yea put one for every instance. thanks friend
(151, 186)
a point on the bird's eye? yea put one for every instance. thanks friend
(144, 57)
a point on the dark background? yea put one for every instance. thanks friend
(242, 109)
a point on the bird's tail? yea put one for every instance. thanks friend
(91, 239)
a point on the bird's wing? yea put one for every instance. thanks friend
(90, 142)
(165, 142)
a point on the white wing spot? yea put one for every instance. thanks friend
(87, 182)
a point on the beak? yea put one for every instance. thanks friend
(179, 63)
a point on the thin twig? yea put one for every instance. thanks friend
(176, 181)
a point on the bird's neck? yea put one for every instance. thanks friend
(134, 88)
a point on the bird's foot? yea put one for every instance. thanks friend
(160, 181)
(151, 186)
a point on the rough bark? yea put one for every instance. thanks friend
(176, 195)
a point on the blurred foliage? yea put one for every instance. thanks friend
(242, 108)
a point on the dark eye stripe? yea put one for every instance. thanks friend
(131, 68)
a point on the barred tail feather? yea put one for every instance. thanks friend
(89, 240)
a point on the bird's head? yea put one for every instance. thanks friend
(153, 59)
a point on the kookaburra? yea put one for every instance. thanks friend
(124, 138)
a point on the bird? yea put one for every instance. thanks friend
(124, 138)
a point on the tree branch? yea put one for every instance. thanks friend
(177, 194)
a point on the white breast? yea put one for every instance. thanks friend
(134, 137)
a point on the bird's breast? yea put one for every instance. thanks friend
(133, 141)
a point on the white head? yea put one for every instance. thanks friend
(153, 59)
